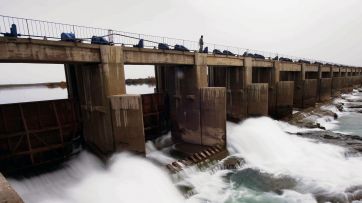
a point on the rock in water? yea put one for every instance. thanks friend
(233, 162)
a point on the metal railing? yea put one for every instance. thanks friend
(38, 29)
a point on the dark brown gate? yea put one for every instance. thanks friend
(36, 133)
(155, 115)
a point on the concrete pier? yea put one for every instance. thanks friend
(213, 116)
(257, 99)
(127, 123)
(325, 74)
(284, 99)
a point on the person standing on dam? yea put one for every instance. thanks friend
(201, 44)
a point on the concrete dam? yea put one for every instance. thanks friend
(195, 94)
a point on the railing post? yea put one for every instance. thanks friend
(27, 27)
(110, 36)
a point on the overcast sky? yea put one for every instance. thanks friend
(329, 30)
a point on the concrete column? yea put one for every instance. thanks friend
(113, 70)
(298, 91)
(201, 69)
(248, 71)
(355, 78)
(349, 80)
(325, 85)
(344, 80)
(276, 73)
(160, 76)
(7, 193)
(320, 71)
(273, 90)
(284, 99)
(319, 78)
(302, 74)
(258, 99)
(310, 93)
(70, 75)
(96, 83)
(337, 83)
(348, 72)
(213, 116)
(210, 77)
(127, 123)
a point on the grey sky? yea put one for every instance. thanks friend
(329, 30)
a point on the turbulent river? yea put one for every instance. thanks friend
(279, 166)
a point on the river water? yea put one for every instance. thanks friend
(279, 167)
(351, 122)
(36, 93)
(29, 94)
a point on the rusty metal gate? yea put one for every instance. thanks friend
(36, 133)
(155, 115)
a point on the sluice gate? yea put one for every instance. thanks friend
(156, 116)
(37, 133)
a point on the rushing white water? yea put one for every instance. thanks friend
(316, 164)
(263, 143)
(126, 179)
(266, 147)
(159, 149)
(349, 119)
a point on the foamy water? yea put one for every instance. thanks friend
(263, 143)
(126, 178)
(315, 164)
(349, 121)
